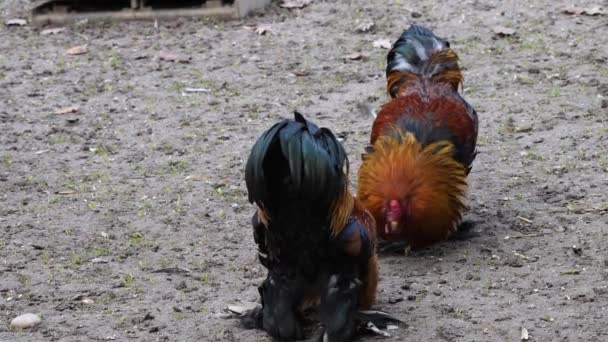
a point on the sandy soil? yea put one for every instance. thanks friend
(144, 178)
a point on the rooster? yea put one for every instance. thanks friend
(316, 240)
(413, 175)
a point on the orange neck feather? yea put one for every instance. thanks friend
(427, 177)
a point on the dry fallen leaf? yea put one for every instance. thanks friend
(67, 110)
(365, 26)
(382, 43)
(295, 3)
(301, 72)
(173, 57)
(262, 29)
(54, 30)
(502, 31)
(254, 58)
(241, 309)
(16, 22)
(355, 56)
(591, 11)
(197, 177)
(77, 50)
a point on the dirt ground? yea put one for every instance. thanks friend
(129, 219)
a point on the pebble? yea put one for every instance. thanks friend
(87, 301)
(25, 321)
(395, 300)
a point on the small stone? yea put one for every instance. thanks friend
(406, 286)
(87, 301)
(16, 22)
(416, 14)
(25, 321)
(99, 261)
(437, 293)
(411, 297)
(395, 300)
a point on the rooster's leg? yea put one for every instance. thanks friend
(390, 247)
(339, 305)
(277, 316)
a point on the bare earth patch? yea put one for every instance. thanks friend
(126, 216)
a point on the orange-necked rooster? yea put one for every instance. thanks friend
(315, 239)
(413, 176)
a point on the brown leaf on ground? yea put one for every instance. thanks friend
(67, 110)
(77, 50)
(382, 43)
(502, 31)
(355, 56)
(262, 29)
(365, 26)
(173, 57)
(301, 72)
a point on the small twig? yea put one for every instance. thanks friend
(524, 219)
(595, 210)
(520, 255)
(197, 90)
(570, 272)
(525, 236)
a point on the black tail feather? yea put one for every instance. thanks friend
(298, 156)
